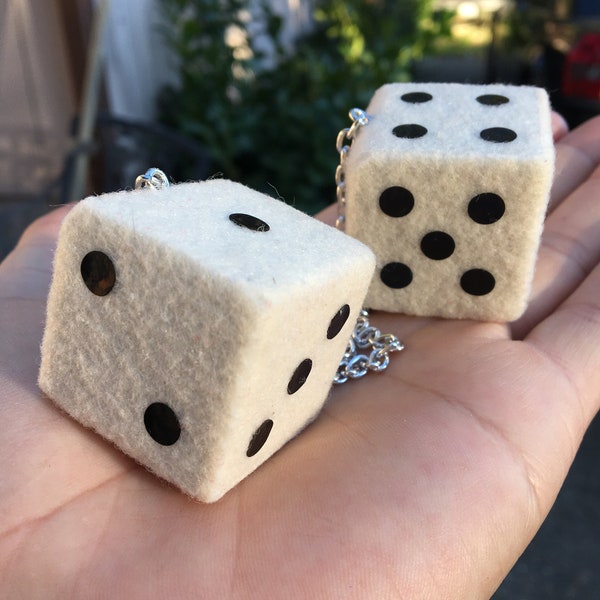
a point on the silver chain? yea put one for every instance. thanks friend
(359, 118)
(368, 349)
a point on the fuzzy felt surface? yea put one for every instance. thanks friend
(470, 169)
(218, 323)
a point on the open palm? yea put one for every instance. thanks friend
(427, 481)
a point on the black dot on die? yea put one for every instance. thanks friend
(338, 321)
(437, 245)
(396, 275)
(249, 222)
(98, 273)
(298, 379)
(409, 131)
(498, 135)
(486, 209)
(477, 282)
(416, 97)
(162, 424)
(396, 201)
(259, 437)
(492, 99)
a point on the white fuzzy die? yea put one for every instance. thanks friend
(220, 335)
(448, 184)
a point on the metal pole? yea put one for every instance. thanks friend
(89, 107)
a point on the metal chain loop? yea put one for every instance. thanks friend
(359, 118)
(153, 178)
(378, 346)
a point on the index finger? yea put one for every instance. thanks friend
(570, 245)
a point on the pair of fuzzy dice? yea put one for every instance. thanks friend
(449, 184)
(198, 327)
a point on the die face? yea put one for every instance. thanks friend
(198, 357)
(457, 120)
(107, 359)
(286, 370)
(455, 226)
(210, 222)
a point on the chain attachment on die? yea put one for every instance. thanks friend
(367, 350)
(359, 119)
(153, 178)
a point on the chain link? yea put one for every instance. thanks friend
(368, 349)
(359, 118)
(355, 363)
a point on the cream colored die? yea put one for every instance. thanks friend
(448, 184)
(198, 327)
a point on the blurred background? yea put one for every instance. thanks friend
(93, 92)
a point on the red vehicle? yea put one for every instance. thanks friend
(581, 72)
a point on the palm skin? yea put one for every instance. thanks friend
(427, 481)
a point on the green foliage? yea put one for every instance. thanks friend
(271, 121)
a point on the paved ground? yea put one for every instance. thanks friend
(562, 562)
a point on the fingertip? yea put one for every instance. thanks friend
(46, 226)
(559, 126)
(328, 215)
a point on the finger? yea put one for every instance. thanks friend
(24, 282)
(569, 338)
(559, 126)
(569, 249)
(328, 215)
(577, 154)
(26, 271)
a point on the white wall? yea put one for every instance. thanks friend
(137, 62)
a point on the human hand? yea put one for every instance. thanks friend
(426, 481)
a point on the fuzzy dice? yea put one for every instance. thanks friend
(449, 185)
(198, 327)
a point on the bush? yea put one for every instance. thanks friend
(271, 122)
